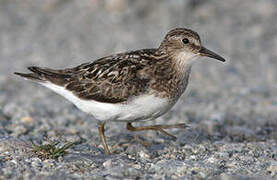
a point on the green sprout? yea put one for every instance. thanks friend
(51, 150)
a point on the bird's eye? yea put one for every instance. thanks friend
(185, 40)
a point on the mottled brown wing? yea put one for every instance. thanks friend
(111, 79)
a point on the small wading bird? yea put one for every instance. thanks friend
(131, 86)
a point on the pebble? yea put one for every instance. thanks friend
(27, 119)
(108, 163)
(144, 155)
(272, 169)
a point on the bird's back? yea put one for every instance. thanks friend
(112, 79)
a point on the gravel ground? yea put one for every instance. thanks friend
(231, 107)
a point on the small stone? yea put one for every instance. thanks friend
(231, 165)
(144, 155)
(193, 157)
(108, 163)
(27, 119)
(8, 158)
(136, 166)
(272, 168)
(36, 162)
(212, 160)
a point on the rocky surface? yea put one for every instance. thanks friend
(231, 108)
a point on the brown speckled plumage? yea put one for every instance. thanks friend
(115, 78)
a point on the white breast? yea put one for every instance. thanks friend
(139, 108)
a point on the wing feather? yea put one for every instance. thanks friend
(112, 79)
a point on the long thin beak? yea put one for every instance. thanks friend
(206, 52)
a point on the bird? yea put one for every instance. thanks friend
(132, 86)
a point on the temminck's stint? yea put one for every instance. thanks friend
(130, 86)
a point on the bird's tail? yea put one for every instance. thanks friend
(45, 74)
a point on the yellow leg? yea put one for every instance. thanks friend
(101, 131)
(159, 128)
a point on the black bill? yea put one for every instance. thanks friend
(206, 52)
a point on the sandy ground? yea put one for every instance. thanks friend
(231, 107)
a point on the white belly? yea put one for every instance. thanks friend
(139, 108)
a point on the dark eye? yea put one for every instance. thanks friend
(185, 40)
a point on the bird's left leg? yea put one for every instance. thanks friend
(101, 131)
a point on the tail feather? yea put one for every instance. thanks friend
(45, 74)
(49, 72)
(31, 76)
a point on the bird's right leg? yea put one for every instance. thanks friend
(159, 128)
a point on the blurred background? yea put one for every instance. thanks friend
(234, 101)
(65, 33)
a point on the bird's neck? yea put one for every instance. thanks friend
(171, 75)
(180, 60)
(182, 63)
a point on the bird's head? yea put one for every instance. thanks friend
(184, 45)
